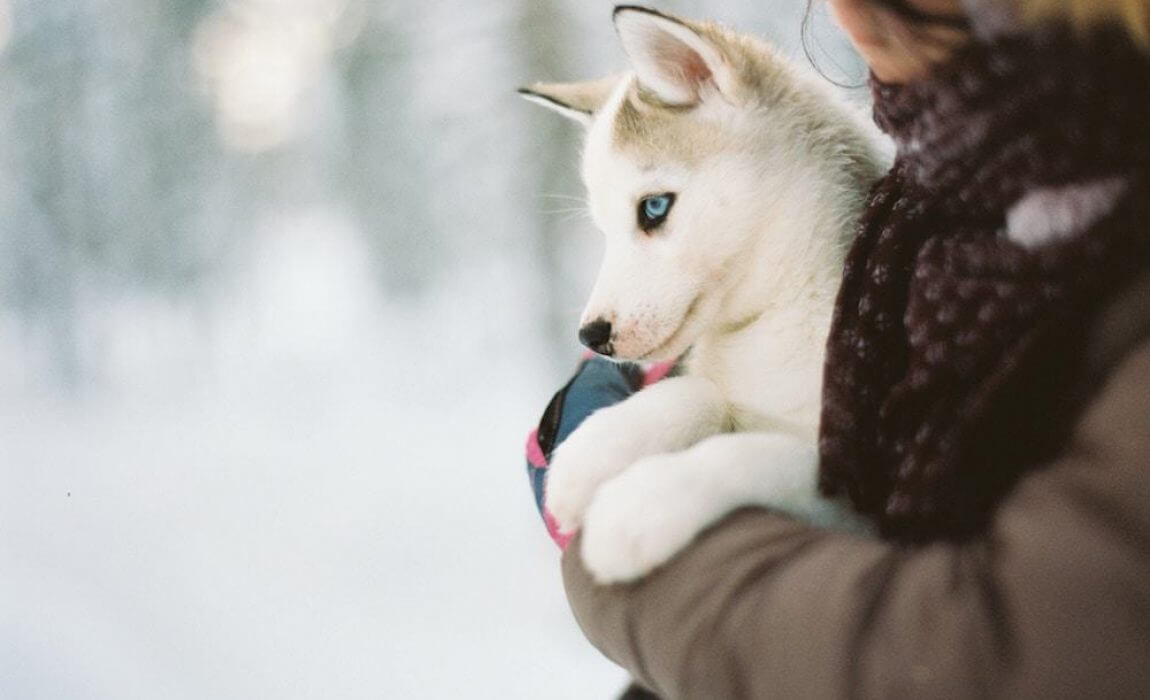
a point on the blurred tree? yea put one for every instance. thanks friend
(385, 148)
(109, 161)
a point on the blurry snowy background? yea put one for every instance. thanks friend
(283, 285)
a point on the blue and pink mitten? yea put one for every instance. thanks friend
(597, 383)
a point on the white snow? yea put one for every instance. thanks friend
(290, 493)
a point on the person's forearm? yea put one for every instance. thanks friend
(1051, 602)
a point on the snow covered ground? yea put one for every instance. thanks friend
(288, 491)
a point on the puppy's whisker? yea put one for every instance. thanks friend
(565, 196)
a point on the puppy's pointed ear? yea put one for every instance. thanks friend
(579, 101)
(672, 58)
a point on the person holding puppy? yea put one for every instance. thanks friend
(984, 399)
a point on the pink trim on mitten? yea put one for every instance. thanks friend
(656, 372)
(561, 538)
(535, 455)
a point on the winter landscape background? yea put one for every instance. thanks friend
(283, 285)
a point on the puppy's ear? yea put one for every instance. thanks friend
(673, 58)
(579, 101)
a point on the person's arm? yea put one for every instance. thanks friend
(1053, 602)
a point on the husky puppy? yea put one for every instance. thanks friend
(727, 182)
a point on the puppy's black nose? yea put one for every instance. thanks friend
(597, 336)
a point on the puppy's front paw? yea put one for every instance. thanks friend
(590, 455)
(569, 487)
(642, 518)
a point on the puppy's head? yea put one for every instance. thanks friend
(673, 181)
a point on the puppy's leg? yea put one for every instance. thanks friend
(664, 417)
(643, 517)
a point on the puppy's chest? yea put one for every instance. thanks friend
(771, 381)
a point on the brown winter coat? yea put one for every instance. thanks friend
(1053, 601)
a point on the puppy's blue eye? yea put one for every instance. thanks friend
(653, 210)
(655, 207)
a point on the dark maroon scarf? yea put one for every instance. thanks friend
(954, 355)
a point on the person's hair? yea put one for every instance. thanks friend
(1083, 15)
(1132, 15)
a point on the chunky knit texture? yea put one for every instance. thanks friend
(954, 355)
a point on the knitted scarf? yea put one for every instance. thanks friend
(1018, 204)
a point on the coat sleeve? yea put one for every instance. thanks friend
(1054, 601)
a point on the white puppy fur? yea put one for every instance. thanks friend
(769, 171)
